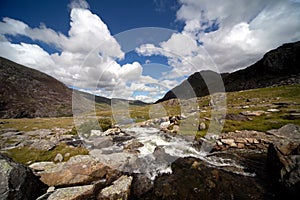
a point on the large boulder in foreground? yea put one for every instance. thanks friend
(284, 160)
(79, 170)
(18, 181)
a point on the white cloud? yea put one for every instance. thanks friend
(245, 31)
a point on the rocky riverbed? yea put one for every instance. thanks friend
(143, 162)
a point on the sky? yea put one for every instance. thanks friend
(140, 49)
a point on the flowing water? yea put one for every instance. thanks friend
(158, 152)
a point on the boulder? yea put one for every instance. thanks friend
(79, 170)
(120, 189)
(18, 181)
(73, 193)
(283, 161)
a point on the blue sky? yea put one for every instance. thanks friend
(105, 48)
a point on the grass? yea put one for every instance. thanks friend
(27, 155)
(30, 124)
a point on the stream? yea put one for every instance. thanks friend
(152, 152)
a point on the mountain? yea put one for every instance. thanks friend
(277, 67)
(26, 92)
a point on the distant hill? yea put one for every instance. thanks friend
(277, 67)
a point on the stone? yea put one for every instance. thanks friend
(240, 145)
(96, 133)
(253, 113)
(100, 142)
(43, 144)
(42, 166)
(73, 193)
(273, 110)
(141, 184)
(67, 155)
(164, 125)
(283, 164)
(133, 145)
(2, 131)
(175, 129)
(79, 170)
(58, 158)
(227, 141)
(194, 179)
(17, 181)
(120, 189)
(202, 126)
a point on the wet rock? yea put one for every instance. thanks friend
(193, 179)
(17, 181)
(73, 193)
(79, 170)
(133, 146)
(141, 184)
(120, 189)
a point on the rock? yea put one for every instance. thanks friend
(253, 113)
(141, 184)
(100, 142)
(42, 166)
(175, 129)
(253, 100)
(283, 160)
(17, 181)
(293, 116)
(79, 170)
(73, 193)
(67, 155)
(164, 125)
(237, 117)
(2, 131)
(43, 144)
(119, 190)
(194, 179)
(132, 146)
(115, 161)
(96, 133)
(227, 141)
(283, 165)
(58, 158)
(289, 131)
(201, 126)
(273, 110)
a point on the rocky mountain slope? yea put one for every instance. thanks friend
(277, 67)
(26, 92)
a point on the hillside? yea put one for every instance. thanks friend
(26, 92)
(277, 67)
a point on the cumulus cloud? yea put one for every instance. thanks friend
(228, 35)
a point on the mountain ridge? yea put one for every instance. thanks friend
(26, 93)
(277, 66)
